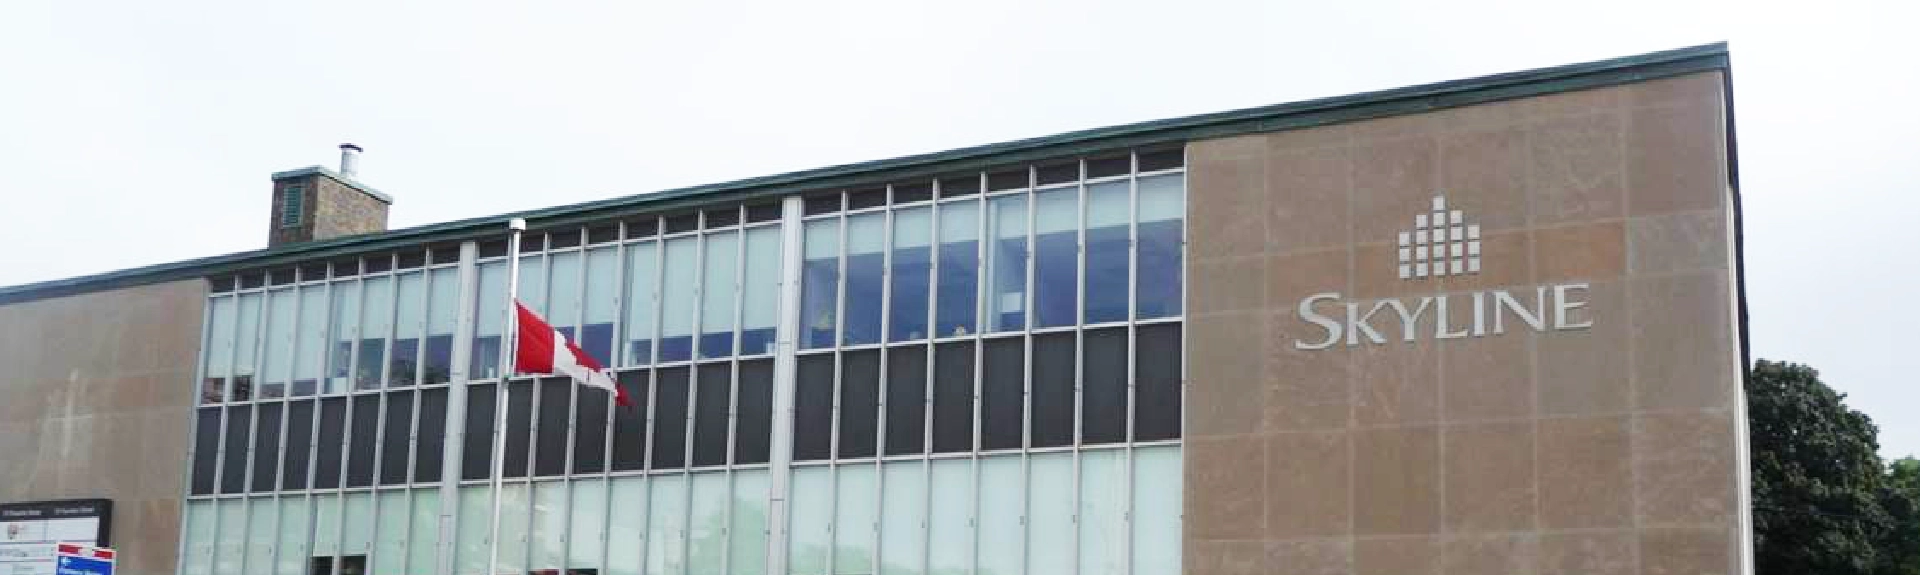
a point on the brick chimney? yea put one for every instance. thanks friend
(315, 203)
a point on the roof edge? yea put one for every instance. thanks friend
(1279, 117)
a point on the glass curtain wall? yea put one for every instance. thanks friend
(988, 381)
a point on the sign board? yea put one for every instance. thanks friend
(30, 532)
(76, 559)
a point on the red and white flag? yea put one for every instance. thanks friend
(543, 350)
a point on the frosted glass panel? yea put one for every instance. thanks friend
(810, 535)
(549, 525)
(563, 298)
(281, 312)
(220, 338)
(1050, 506)
(1103, 499)
(707, 532)
(232, 532)
(312, 348)
(513, 527)
(471, 551)
(1002, 500)
(390, 538)
(584, 541)
(262, 530)
(904, 505)
(1156, 510)
(678, 306)
(199, 535)
(950, 516)
(356, 532)
(854, 521)
(626, 529)
(296, 517)
(760, 298)
(245, 334)
(747, 549)
(425, 537)
(1163, 198)
(326, 525)
(643, 292)
(667, 526)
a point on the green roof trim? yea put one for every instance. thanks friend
(1366, 105)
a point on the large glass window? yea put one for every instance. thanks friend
(376, 323)
(245, 353)
(865, 278)
(820, 284)
(678, 308)
(643, 285)
(602, 304)
(718, 295)
(489, 320)
(959, 282)
(1108, 240)
(409, 326)
(760, 294)
(218, 362)
(1006, 305)
(1056, 253)
(911, 269)
(1162, 227)
(277, 343)
(443, 299)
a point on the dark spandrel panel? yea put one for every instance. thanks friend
(476, 445)
(912, 192)
(563, 238)
(590, 430)
(1054, 361)
(959, 185)
(953, 397)
(1009, 179)
(413, 259)
(630, 424)
(859, 403)
(866, 198)
(670, 420)
(394, 442)
(363, 432)
(533, 242)
(346, 267)
(493, 248)
(1154, 160)
(313, 271)
(823, 203)
(252, 280)
(444, 254)
(377, 263)
(519, 429)
(603, 234)
(233, 474)
(1103, 383)
(644, 227)
(329, 443)
(223, 284)
(683, 222)
(206, 449)
(1156, 407)
(753, 413)
(906, 400)
(813, 408)
(763, 212)
(299, 416)
(427, 453)
(711, 402)
(556, 407)
(266, 448)
(280, 277)
(723, 217)
(1109, 166)
(1002, 390)
(1058, 173)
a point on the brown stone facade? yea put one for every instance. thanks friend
(1614, 448)
(333, 208)
(94, 403)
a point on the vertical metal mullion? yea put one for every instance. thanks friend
(623, 278)
(313, 423)
(982, 296)
(786, 333)
(1084, 203)
(934, 245)
(839, 342)
(1026, 360)
(253, 419)
(693, 391)
(733, 389)
(286, 407)
(533, 413)
(653, 386)
(346, 439)
(193, 432)
(880, 402)
(573, 408)
(380, 415)
(1133, 334)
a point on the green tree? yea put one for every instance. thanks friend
(1900, 549)
(1817, 477)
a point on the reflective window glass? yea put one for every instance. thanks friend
(760, 297)
(1007, 264)
(643, 285)
(718, 295)
(601, 305)
(489, 320)
(245, 352)
(376, 323)
(1056, 251)
(277, 343)
(443, 303)
(959, 282)
(820, 284)
(409, 322)
(678, 307)
(912, 267)
(1107, 251)
(562, 306)
(1162, 214)
(219, 355)
(865, 275)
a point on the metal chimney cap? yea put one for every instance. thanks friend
(351, 146)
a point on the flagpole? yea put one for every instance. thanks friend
(509, 338)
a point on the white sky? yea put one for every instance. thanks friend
(136, 132)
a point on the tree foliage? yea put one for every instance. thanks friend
(1822, 500)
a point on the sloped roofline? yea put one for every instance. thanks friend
(1279, 117)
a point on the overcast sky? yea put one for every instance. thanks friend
(138, 132)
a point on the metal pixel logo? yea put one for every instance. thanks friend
(1440, 244)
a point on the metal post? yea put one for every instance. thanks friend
(508, 342)
(786, 336)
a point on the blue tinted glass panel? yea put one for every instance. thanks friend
(820, 284)
(678, 306)
(1162, 214)
(912, 269)
(717, 294)
(959, 283)
(866, 274)
(1056, 239)
(1107, 241)
(1007, 264)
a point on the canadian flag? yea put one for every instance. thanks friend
(543, 350)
